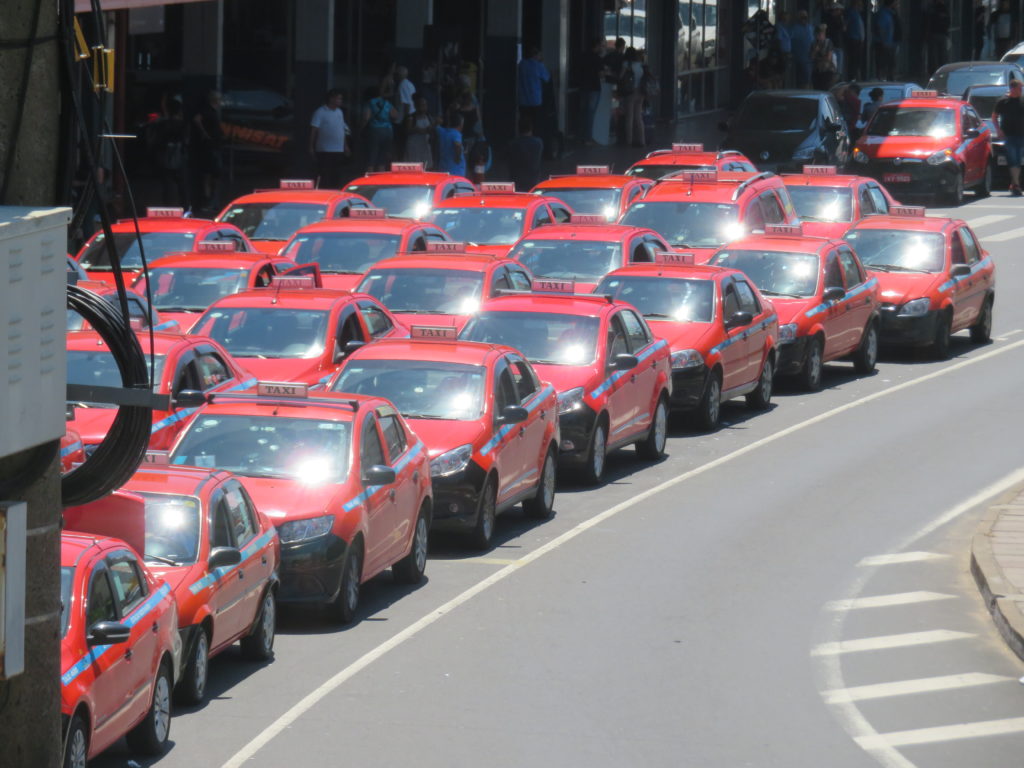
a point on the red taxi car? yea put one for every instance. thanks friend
(342, 477)
(721, 331)
(219, 554)
(409, 192)
(140, 314)
(490, 425)
(118, 648)
(164, 231)
(494, 220)
(270, 217)
(928, 145)
(689, 157)
(826, 301)
(443, 288)
(827, 202)
(934, 276)
(595, 190)
(585, 249)
(344, 249)
(183, 366)
(612, 375)
(72, 450)
(700, 211)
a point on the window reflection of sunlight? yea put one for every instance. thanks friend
(802, 269)
(574, 354)
(733, 231)
(469, 306)
(312, 471)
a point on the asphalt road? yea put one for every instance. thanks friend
(712, 610)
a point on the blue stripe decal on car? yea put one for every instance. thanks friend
(248, 551)
(161, 326)
(644, 353)
(69, 449)
(495, 441)
(369, 492)
(732, 339)
(184, 413)
(855, 292)
(954, 280)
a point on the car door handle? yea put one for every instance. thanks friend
(632, 379)
(263, 560)
(416, 476)
(522, 434)
(391, 494)
(128, 654)
(156, 627)
(241, 573)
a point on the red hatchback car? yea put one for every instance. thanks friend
(690, 157)
(407, 191)
(595, 190)
(828, 202)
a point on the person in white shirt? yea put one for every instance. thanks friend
(404, 90)
(328, 140)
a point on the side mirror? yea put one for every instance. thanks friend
(959, 270)
(971, 133)
(348, 349)
(108, 633)
(189, 398)
(739, 319)
(379, 474)
(835, 293)
(224, 557)
(624, 362)
(513, 414)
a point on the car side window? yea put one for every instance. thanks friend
(523, 376)
(213, 371)
(560, 214)
(971, 251)
(137, 311)
(520, 280)
(435, 235)
(101, 605)
(220, 525)
(240, 515)
(747, 300)
(126, 578)
(231, 236)
(504, 390)
(730, 301)
(419, 243)
(957, 248)
(636, 331)
(755, 217)
(867, 204)
(617, 343)
(463, 188)
(394, 436)
(639, 253)
(541, 217)
(187, 378)
(851, 273)
(375, 318)
(371, 451)
(773, 213)
(878, 198)
(349, 330)
(264, 276)
(833, 272)
(500, 281)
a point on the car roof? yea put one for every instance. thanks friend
(148, 224)
(976, 66)
(232, 260)
(837, 180)
(422, 178)
(176, 478)
(669, 157)
(73, 545)
(311, 196)
(786, 243)
(384, 225)
(498, 200)
(929, 102)
(447, 350)
(585, 305)
(911, 223)
(334, 406)
(723, 188)
(688, 271)
(468, 261)
(163, 341)
(588, 181)
(600, 232)
(304, 298)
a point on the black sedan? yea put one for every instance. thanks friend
(983, 98)
(956, 78)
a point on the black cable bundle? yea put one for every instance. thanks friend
(124, 447)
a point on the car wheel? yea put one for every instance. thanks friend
(259, 645)
(486, 516)
(593, 468)
(956, 194)
(984, 188)
(866, 357)
(761, 398)
(710, 407)
(940, 344)
(76, 751)
(345, 604)
(542, 505)
(410, 569)
(192, 686)
(981, 331)
(652, 447)
(810, 374)
(150, 736)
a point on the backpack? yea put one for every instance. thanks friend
(627, 81)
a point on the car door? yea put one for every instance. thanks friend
(865, 203)
(529, 434)
(771, 208)
(254, 569)
(644, 378)
(541, 216)
(380, 501)
(970, 290)
(734, 351)
(857, 304)
(621, 398)
(349, 329)
(508, 461)
(832, 316)
(405, 506)
(130, 592)
(753, 337)
(977, 145)
(228, 591)
(753, 216)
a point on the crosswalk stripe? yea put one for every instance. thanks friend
(992, 218)
(1001, 237)
(900, 557)
(907, 687)
(942, 733)
(883, 642)
(884, 601)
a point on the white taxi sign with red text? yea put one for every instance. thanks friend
(293, 283)
(820, 170)
(217, 246)
(906, 210)
(444, 247)
(674, 257)
(407, 167)
(165, 213)
(366, 213)
(692, 177)
(687, 147)
(296, 184)
(783, 229)
(593, 170)
(281, 389)
(554, 286)
(587, 218)
(446, 332)
(497, 186)
(924, 94)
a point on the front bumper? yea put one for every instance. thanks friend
(311, 570)
(576, 429)
(687, 388)
(791, 356)
(921, 178)
(915, 331)
(457, 497)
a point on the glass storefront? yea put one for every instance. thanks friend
(629, 22)
(702, 54)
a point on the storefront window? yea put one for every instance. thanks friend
(700, 54)
(629, 23)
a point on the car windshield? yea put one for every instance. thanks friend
(898, 250)
(419, 389)
(264, 332)
(342, 253)
(155, 244)
(494, 226)
(956, 81)
(584, 260)
(67, 579)
(433, 291)
(543, 337)
(775, 273)
(821, 203)
(664, 298)
(97, 368)
(172, 528)
(687, 225)
(312, 451)
(936, 122)
(596, 202)
(407, 201)
(772, 113)
(273, 221)
(655, 171)
(191, 289)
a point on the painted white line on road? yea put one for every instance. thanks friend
(943, 733)
(485, 560)
(885, 642)
(316, 695)
(1008, 334)
(885, 601)
(900, 557)
(1002, 237)
(992, 218)
(907, 687)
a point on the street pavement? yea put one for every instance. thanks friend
(792, 590)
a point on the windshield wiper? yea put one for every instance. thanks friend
(181, 309)
(658, 315)
(891, 268)
(779, 293)
(159, 559)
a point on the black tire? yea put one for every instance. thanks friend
(76, 748)
(410, 569)
(984, 187)
(259, 644)
(191, 688)
(486, 516)
(811, 373)
(761, 398)
(866, 356)
(709, 409)
(940, 344)
(542, 505)
(150, 736)
(652, 447)
(955, 196)
(347, 602)
(981, 331)
(593, 468)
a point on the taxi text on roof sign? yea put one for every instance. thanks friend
(444, 247)
(593, 170)
(820, 170)
(216, 246)
(296, 184)
(289, 283)
(587, 218)
(924, 94)
(157, 458)
(165, 213)
(687, 147)
(783, 229)
(674, 257)
(690, 176)
(281, 389)
(906, 210)
(366, 213)
(554, 286)
(447, 332)
(407, 167)
(497, 186)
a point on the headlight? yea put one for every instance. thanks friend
(570, 400)
(787, 333)
(451, 462)
(859, 156)
(804, 153)
(939, 157)
(686, 358)
(915, 308)
(301, 530)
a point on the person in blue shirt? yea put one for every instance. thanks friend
(801, 36)
(450, 157)
(532, 76)
(855, 40)
(884, 28)
(783, 47)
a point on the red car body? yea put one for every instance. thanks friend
(692, 157)
(140, 314)
(595, 190)
(409, 192)
(828, 202)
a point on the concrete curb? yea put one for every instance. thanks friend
(1000, 596)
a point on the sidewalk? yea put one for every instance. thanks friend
(997, 564)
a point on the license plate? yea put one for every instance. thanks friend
(896, 178)
(1001, 160)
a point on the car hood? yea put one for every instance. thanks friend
(684, 335)
(178, 576)
(282, 500)
(271, 247)
(779, 145)
(340, 282)
(564, 377)
(901, 287)
(92, 424)
(790, 309)
(410, 319)
(829, 229)
(440, 435)
(903, 146)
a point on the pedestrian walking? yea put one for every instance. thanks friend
(632, 97)
(1002, 28)
(467, 105)
(592, 71)
(855, 30)
(170, 154)
(523, 156)
(884, 31)
(979, 27)
(328, 140)
(379, 117)
(801, 36)
(822, 60)
(208, 146)
(532, 76)
(835, 23)
(783, 48)
(451, 157)
(936, 22)
(849, 104)
(419, 128)
(404, 92)
(1008, 116)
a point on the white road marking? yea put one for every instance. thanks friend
(1002, 237)
(311, 699)
(1008, 334)
(992, 218)
(900, 557)
(885, 601)
(485, 560)
(885, 642)
(943, 733)
(907, 687)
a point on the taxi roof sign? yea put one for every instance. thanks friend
(687, 147)
(593, 170)
(923, 94)
(587, 218)
(216, 246)
(783, 229)
(695, 176)
(497, 186)
(281, 389)
(554, 286)
(165, 213)
(442, 332)
(156, 458)
(366, 213)
(295, 184)
(285, 282)
(906, 210)
(820, 170)
(674, 257)
(407, 167)
(446, 247)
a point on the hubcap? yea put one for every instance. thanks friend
(162, 708)
(660, 422)
(766, 381)
(200, 662)
(598, 459)
(76, 749)
(872, 347)
(420, 545)
(814, 365)
(487, 523)
(352, 587)
(549, 482)
(714, 400)
(269, 624)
